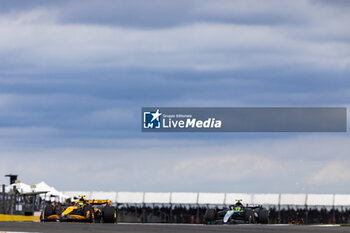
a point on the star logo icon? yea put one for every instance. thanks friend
(156, 115)
(151, 119)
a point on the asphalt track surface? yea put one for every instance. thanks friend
(161, 228)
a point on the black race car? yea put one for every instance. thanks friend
(237, 214)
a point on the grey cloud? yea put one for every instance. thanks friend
(162, 14)
(167, 13)
(135, 13)
(93, 104)
(203, 47)
(23, 5)
(180, 165)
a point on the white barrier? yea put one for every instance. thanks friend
(265, 199)
(160, 198)
(292, 199)
(217, 198)
(211, 198)
(130, 197)
(320, 200)
(341, 200)
(184, 198)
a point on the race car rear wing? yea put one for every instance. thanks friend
(253, 206)
(100, 202)
(96, 202)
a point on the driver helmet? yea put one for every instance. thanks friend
(238, 202)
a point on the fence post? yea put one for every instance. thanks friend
(3, 199)
(197, 217)
(12, 197)
(279, 209)
(306, 215)
(307, 210)
(171, 214)
(334, 220)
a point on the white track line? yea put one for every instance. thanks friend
(326, 225)
(16, 232)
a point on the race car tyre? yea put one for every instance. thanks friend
(221, 214)
(248, 216)
(98, 217)
(88, 213)
(49, 210)
(264, 216)
(256, 214)
(109, 215)
(210, 216)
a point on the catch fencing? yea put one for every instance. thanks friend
(191, 198)
(13, 202)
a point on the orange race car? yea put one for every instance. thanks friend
(82, 210)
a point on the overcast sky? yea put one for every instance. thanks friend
(75, 74)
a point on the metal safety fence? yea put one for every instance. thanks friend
(192, 198)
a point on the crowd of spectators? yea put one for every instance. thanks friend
(310, 216)
(196, 214)
(163, 214)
